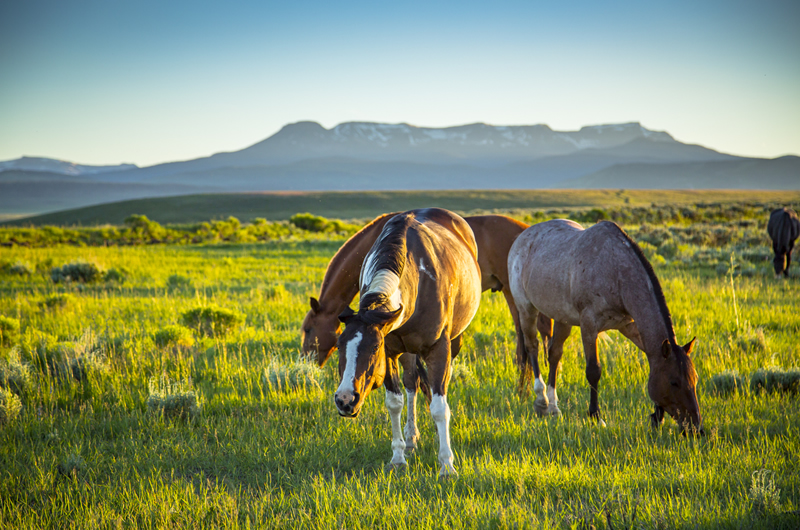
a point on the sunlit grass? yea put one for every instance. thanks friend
(89, 452)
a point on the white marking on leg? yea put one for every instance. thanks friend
(540, 403)
(552, 398)
(440, 412)
(411, 431)
(394, 403)
(351, 355)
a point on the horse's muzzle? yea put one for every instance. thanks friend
(347, 403)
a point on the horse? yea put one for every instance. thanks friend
(784, 229)
(420, 287)
(599, 279)
(494, 235)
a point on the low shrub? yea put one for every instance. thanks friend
(309, 221)
(174, 337)
(56, 301)
(20, 268)
(775, 380)
(9, 331)
(176, 282)
(174, 400)
(10, 406)
(765, 497)
(15, 375)
(726, 383)
(211, 321)
(77, 271)
(298, 375)
(114, 276)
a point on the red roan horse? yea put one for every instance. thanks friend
(420, 288)
(599, 279)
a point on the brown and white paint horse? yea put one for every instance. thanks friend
(420, 288)
(494, 235)
(599, 279)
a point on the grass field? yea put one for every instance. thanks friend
(367, 205)
(95, 445)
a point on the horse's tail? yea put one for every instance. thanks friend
(524, 365)
(424, 385)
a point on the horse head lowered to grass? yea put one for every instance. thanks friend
(599, 279)
(420, 288)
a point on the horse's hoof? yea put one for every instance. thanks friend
(553, 411)
(396, 468)
(448, 473)
(601, 423)
(542, 407)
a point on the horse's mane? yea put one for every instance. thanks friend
(346, 252)
(684, 361)
(390, 254)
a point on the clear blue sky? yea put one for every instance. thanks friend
(111, 81)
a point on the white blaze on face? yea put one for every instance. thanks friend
(351, 355)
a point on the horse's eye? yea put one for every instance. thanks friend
(307, 330)
(675, 383)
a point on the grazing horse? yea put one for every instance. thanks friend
(494, 235)
(599, 279)
(784, 229)
(420, 288)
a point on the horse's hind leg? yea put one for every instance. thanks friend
(527, 323)
(593, 370)
(413, 382)
(560, 334)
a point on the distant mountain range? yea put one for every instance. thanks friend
(305, 156)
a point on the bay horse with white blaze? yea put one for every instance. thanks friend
(420, 288)
(599, 279)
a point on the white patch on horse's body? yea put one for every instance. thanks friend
(351, 354)
(386, 282)
(425, 271)
(440, 412)
(367, 270)
(411, 432)
(394, 404)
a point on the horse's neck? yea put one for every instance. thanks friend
(340, 284)
(642, 304)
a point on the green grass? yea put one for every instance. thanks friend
(92, 453)
(367, 205)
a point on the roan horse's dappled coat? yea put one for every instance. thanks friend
(784, 229)
(420, 288)
(599, 279)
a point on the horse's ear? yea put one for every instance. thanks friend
(315, 307)
(689, 347)
(347, 315)
(666, 348)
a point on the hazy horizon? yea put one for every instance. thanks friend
(94, 82)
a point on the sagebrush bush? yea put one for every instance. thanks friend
(173, 399)
(173, 336)
(56, 301)
(176, 282)
(62, 359)
(10, 406)
(77, 271)
(21, 268)
(726, 383)
(765, 497)
(298, 375)
(309, 221)
(9, 331)
(775, 380)
(15, 375)
(211, 321)
(114, 276)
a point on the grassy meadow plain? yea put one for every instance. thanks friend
(118, 411)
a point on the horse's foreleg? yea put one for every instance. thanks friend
(545, 326)
(560, 334)
(439, 373)
(412, 381)
(630, 331)
(593, 370)
(394, 403)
